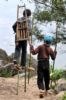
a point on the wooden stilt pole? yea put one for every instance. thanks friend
(17, 65)
(26, 54)
(17, 83)
(25, 81)
(30, 62)
(30, 58)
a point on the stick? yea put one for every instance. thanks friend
(30, 42)
(25, 66)
(29, 60)
(55, 44)
(17, 83)
(25, 80)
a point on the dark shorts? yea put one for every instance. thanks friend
(43, 63)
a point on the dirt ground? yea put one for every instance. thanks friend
(8, 89)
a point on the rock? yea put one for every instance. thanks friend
(61, 85)
(60, 95)
(7, 70)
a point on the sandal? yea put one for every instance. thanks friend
(41, 95)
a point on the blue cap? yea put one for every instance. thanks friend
(48, 38)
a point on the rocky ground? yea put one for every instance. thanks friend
(8, 90)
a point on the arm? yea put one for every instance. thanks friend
(15, 24)
(34, 51)
(53, 54)
(14, 27)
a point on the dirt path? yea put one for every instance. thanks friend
(8, 88)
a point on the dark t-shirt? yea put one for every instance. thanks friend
(43, 51)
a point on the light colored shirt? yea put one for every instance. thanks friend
(29, 22)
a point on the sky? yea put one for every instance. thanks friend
(8, 13)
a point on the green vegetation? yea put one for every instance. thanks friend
(43, 16)
(57, 74)
(54, 76)
(64, 97)
(5, 73)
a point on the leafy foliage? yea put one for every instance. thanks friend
(57, 74)
(54, 76)
(56, 10)
(43, 16)
(5, 73)
(64, 96)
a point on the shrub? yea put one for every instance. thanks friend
(57, 74)
(5, 73)
(54, 76)
(64, 96)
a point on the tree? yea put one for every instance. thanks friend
(51, 10)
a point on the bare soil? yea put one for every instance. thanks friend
(8, 89)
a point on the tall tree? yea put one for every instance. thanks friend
(51, 10)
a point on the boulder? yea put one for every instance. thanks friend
(61, 85)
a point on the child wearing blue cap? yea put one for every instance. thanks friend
(43, 52)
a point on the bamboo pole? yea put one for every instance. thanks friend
(17, 83)
(17, 65)
(55, 44)
(30, 58)
(26, 54)
(30, 62)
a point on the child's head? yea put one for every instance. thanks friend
(48, 39)
(27, 12)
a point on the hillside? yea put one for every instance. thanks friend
(3, 55)
(6, 66)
